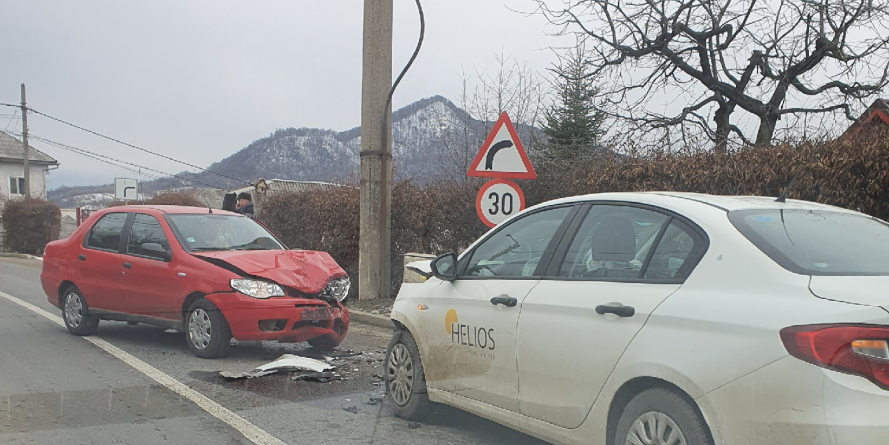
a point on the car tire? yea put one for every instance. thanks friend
(76, 313)
(660, 411)
(405, 379)
(323, 343)
(206, 330)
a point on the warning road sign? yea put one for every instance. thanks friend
(502, 154)
(497, 200)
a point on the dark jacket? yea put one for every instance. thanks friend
(247, 210)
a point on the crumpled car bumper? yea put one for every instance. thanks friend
(284, 319)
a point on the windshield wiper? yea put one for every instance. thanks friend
(206, 249)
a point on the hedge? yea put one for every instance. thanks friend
(441, 217)
(29, 224)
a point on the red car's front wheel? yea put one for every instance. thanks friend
(207, 331)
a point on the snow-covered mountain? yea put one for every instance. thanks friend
(431, 138)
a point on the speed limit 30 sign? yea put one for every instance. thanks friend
(497, 200)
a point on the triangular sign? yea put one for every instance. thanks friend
(502, 154)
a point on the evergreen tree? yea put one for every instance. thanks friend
(573, 126)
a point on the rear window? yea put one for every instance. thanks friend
(817, 242)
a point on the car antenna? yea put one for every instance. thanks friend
(783, 197)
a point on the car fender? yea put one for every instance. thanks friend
(410, 296)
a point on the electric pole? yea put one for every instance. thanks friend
(374, 262)
(25, 150)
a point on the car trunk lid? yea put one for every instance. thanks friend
(305, 270)
(864, 290)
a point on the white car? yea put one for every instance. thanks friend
(658, 318)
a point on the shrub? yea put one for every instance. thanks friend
(174, 199)
(164, 199)
(29, 224)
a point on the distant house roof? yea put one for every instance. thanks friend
(11, 151)
(287, 186)
(876, 114)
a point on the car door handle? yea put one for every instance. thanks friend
(616, 309)
(505, 300)
(127, 265)
(81, 257)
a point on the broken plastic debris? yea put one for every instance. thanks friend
(423, 268)
(322, 377)
(284, 363)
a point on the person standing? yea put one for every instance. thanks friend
(245, 205)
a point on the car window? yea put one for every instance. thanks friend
(105, 234)
(676, 254)
(818, 242)
(516, 249)
(146, 229)
(612, 243)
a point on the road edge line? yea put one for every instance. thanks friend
(250, 431)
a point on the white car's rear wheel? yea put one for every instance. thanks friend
(659, 416)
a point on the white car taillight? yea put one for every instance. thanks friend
(861, 350)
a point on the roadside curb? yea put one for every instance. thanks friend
(368, 318)
(16, 255)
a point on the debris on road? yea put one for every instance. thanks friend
(413, 425)
(322, 377)
(284, 363)
(352, 409)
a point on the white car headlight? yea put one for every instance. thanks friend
(256, 288)
(337, 288)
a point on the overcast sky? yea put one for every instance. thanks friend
(198, 80)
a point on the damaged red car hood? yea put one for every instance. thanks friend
(305, 270)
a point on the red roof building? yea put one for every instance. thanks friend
(876, 114)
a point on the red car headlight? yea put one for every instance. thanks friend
(256, 288)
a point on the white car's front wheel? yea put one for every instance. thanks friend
(659, 416)
(405, 379)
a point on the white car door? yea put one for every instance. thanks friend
(471, 350)
(598, 293)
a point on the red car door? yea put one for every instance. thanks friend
(153, 285)
(98, 266)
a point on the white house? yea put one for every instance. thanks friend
(12, 169)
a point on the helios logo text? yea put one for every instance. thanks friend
(468, 335)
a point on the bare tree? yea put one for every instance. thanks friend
(769, 59)
(512, 87)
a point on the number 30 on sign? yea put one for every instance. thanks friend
(497, 200)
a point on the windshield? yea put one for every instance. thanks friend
(817, 242)
(198, 233)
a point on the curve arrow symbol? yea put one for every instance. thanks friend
(489, 158)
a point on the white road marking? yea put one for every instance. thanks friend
(252, 432)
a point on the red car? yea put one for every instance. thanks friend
(212, 274)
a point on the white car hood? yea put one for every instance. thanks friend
(869, 291)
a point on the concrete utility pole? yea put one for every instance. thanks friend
(25, 150)
(374, 263)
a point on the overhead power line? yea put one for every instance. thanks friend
(116, 162)
(128, 144)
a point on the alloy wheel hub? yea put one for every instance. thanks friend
(400, 373)
(73, 310)
(655, 428)
(200, 329)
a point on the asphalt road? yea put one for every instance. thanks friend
(61, 389)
